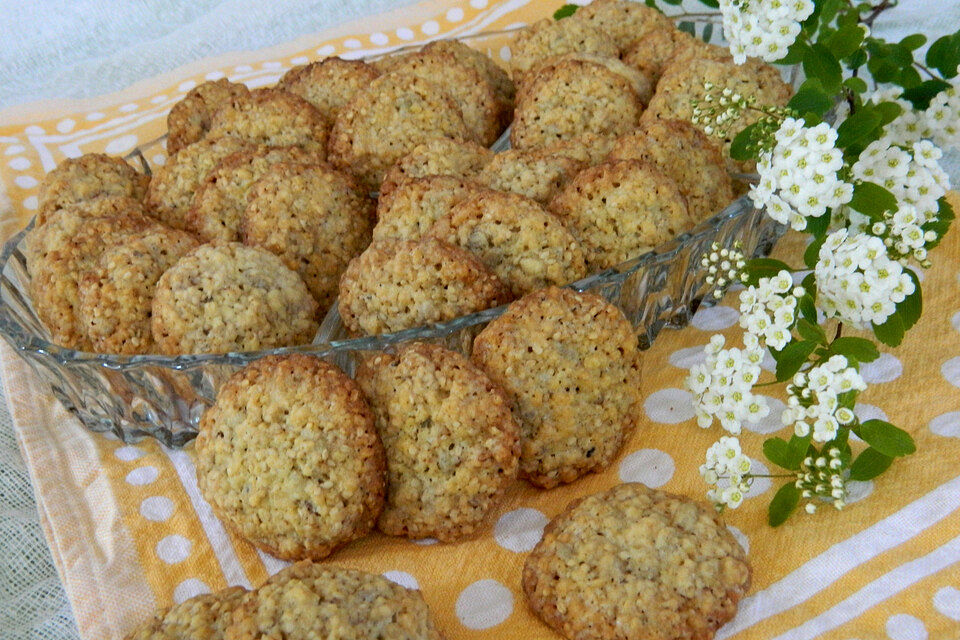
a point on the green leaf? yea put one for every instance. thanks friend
(565, 11)
(860, 348)
(857, 60)
(845, 41)
(908, 78)
(783, 504)
(943, 56)
(811, 97)
(795, 53)
(687, 27)
(857, 128)
(888, 111)
(887, 439)
(817, 227)
(911, 308)
(820, 63)
(743, 146)
(921, 95)
(807, 308)
(763, 268)
(871, 199)
(883, 69)
(713, 4)
(800, 446)
(791, 358)
(812, 253)
(858, 85)
(812, 332)
(890, 332)
(945, 217)
(869, 464)
(779, 452)
(914, 41)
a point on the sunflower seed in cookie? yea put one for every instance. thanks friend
(328, 84)
(407, 212)
(90, 176)
(189, 120)
(206, 616)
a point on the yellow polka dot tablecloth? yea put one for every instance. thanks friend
(130, 532)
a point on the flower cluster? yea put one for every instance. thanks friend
(724, 267)
(943, 118)
(814, 399)
(762, 28)
(857, 281)
(726, 461)
(940, 122)
(767, 313)
(822, 478)
(722, 386)
(719, 109)
(799, 176)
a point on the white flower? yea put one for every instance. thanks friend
(725, 462)
(762, 28)
(766, 313)
(814, 396)
(722, 386)
(942, 118)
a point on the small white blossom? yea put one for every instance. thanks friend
(762, 28)
(725, 462)
(766, 313)
(722, 386)
(814, 404)
(942, 118)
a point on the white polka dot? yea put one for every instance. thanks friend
(955, 321)
(130, 106)
(142, 475)
(66, 126)
(652, 467)
(686, 358)
(919, 273)
(770, 423)
(352, 43)
(484, 604)
(189, 588)
(300, 60)
(669, 406)
(214, 75)
(19, 164)
(173, 549)
(25, 182)
(478, 4)
(158, 99)
(122, 144)
(857, 490)
(455, 14)
(430, 27)
(951, 371)
(379, 38)
(244, 68)
(866, 412)
(404, 33)
(768, 363)
(425, 542)
(905, 627)
(18, 148)
(34, 130)
(30, 203)
(741, 537)
(947, 425)
(715, 318)
(156, 508)
(94, 116)
(947, 602)
(402, 578)
(520, 530)
(272, 64)
(326, 50)
(505, 53)
(884, 369)
(159, 159)
(186, 86)
(128, 454)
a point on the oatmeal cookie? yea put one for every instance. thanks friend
(309, 600)
(219, 201)
(620, 210)
(116, 295)
(229, 297)
(589, 148)
(273, 117)
(90, 176)
(626, 21)
(387, 120)
(570, 98)
(549, 37)
(651, 53)
(450, 440)
(58, 255)
(570, 363)
(401, 284)
(205, 616)
(190, 119)
(311, 217)
(99, 207)
(634, 562)
(328, 84)
(498, 78)
(534, 173)
(526, 247)
(687, 156)
(408, 211)
(437, 157)
(288, 456)
(640, 83)
(175, 184)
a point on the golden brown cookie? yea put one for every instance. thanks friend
(190, 119)
(535, 173)
(313, 218)
(687, 156)
(90, 176)
(450, 441)
(589, 148)
(175, 184)
(526, 247)
(626, 21)
(273, 117)
(634, 562)
(58, 255)
(547, 37)
(620, 210)
(307, 601)
(651, 53)
(407, 212)
(288, 456)
(328, 84)
(572, 97)
(570, 363)
(387, 120)
(99, 207)
(229, 297)
(498, 78)
(640, 83)
(221, 198)
(401, 284)
(437, 157)
(203, 617)
(116, 295)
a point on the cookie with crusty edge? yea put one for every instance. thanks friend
(273, 117)
(547, 37)
(328, 84)
(626, 21)
(437, 157)
(288, 457)
(588, 148)
(308, 600)
(99, 207)
(534, 173)
(401, 284)
(526, 247)
(451, 443)
(498, 78)
(90, 176)
(640, 83)
(570, 363)
(313, 218)
(634, 562)
(651, 53)
(190, 119)
(229, 297)
(206, 616)
(408, 211)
